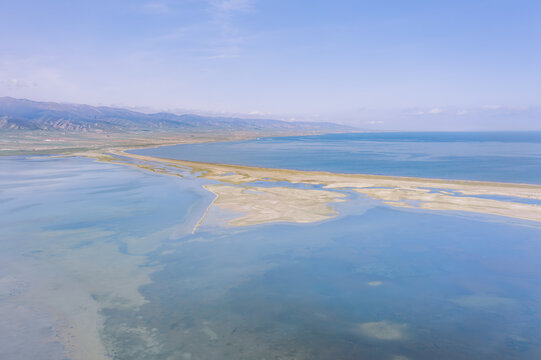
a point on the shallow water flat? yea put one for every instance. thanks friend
(74, 238)
(111, 245)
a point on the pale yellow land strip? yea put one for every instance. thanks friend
(204, 214)
(396, 191)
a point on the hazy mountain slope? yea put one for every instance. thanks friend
(22, 114)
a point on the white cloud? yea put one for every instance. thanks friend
(259, 113)
(156, 7)
(462, 112)
(15, 84)
(374, 122)
(433, 111)
(233, 5)
(229, 38)
(519, 108)
(492, 107)
(176, 34)
(35, 77)
(219, 36)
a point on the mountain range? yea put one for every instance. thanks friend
(23, 114)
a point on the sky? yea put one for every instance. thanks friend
(404, 65)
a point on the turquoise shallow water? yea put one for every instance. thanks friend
(441, 287)
(496, 156)
(374, 283)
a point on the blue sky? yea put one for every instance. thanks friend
(378, 64)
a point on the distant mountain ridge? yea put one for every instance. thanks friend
(23, 114)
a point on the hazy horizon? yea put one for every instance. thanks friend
(385, 66)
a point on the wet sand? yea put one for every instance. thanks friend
(277, 204)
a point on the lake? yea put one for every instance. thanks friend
(491, 156)
(102, 259)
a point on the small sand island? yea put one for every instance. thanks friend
(262, 204)
(258, 204)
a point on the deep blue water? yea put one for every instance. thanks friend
(490, 156)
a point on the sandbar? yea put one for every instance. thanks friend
(421, 193)
(259, 205)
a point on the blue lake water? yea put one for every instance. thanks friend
(377, 282)
(490, 156)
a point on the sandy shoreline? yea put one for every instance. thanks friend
(422, 193)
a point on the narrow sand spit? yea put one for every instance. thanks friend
(261, 204)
